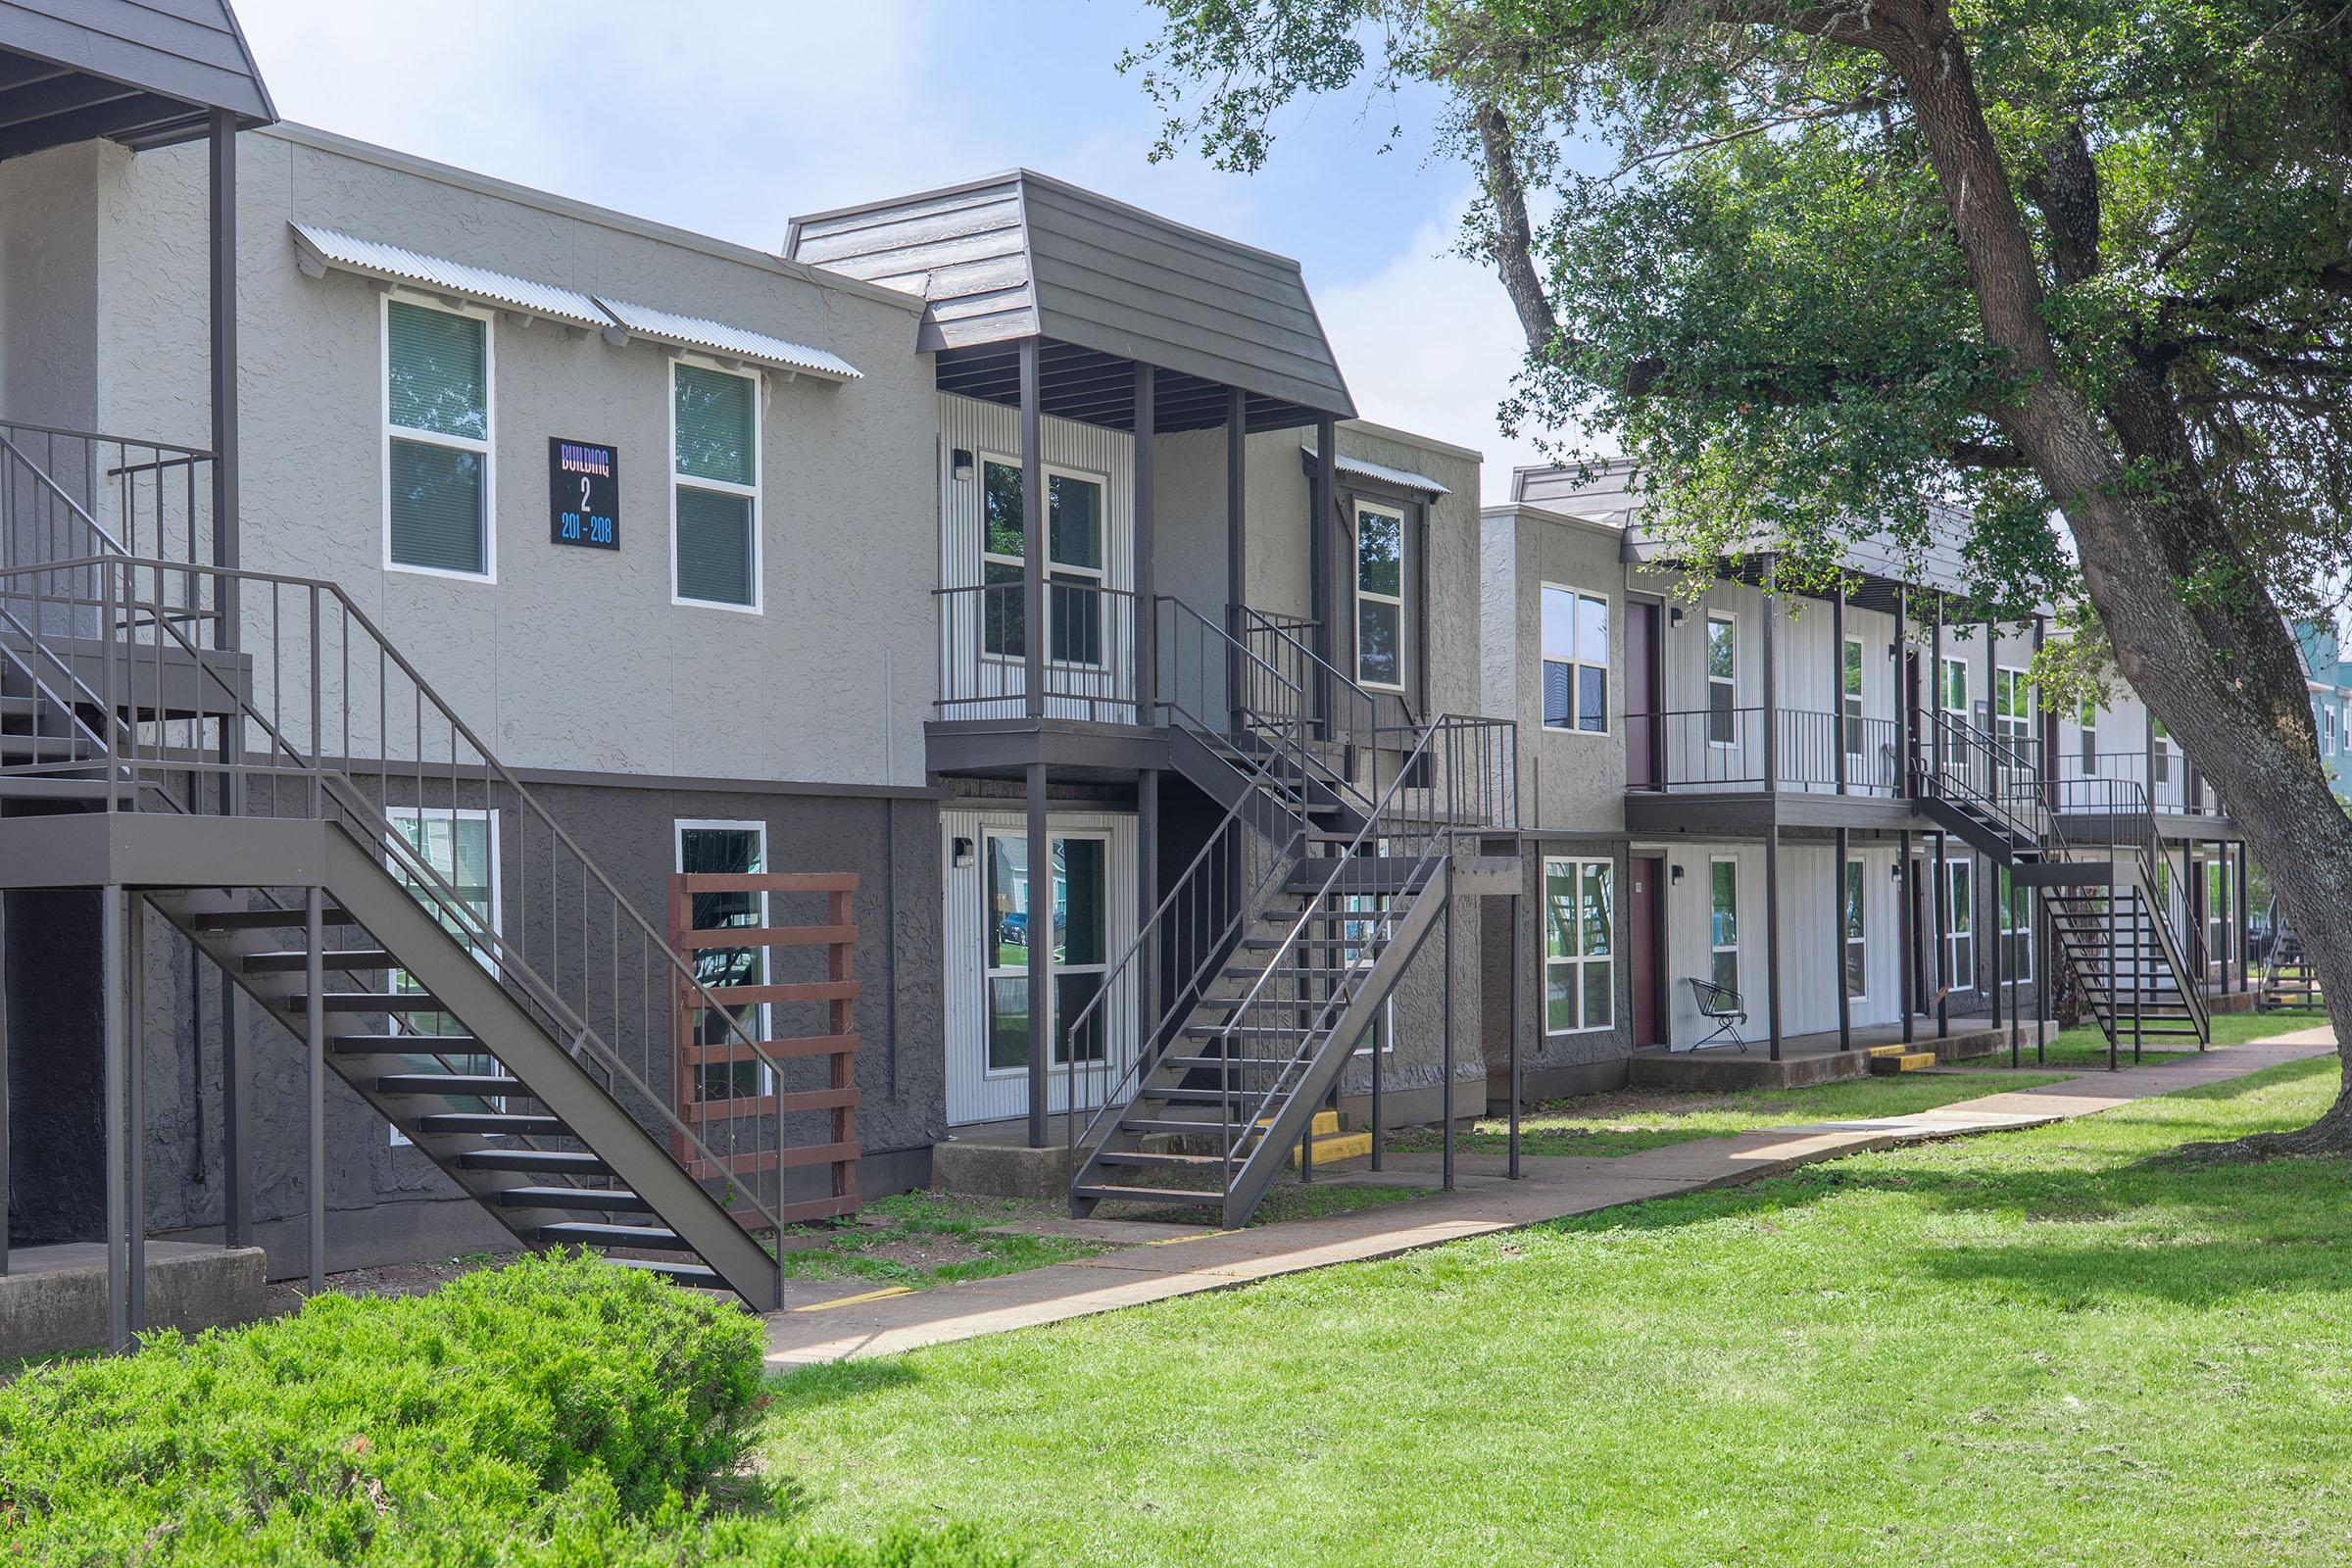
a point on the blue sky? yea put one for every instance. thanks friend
(730, 116)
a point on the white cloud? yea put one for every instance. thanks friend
(1429, 344)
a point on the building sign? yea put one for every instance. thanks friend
(584, 494)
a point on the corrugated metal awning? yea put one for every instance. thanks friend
(1366, 469)
(331, 248)
(731, 342)
(321, 248)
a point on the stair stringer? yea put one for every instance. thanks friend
(543, 1069)
(1270, 1155)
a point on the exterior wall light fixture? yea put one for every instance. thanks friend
(961, 459)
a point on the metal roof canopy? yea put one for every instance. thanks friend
(1104, 285)
(143, 75)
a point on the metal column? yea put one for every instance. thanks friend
(114, 1030)
(1146, 573)
(1034, 629)
(3, 1085)
(134, 1107)
(1237, 538)
(1772, 825)
(1325, 501)
(1513, 972)
(1838, 754)
(1907, 935)
(1943, 901)
(314, 974)
(237, 1118)
(1445, 1029)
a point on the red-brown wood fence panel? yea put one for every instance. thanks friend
(822, 983)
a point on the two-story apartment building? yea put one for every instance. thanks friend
(550, 727)
(2329, 677)
(1823, 825)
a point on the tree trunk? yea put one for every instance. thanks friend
(2221, 676)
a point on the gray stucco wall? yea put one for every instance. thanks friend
(49, 286)
(1569, 779)
(828, 684)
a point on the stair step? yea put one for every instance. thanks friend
(1175, 1126)
(370, 1001)
(1242, 1065)
(594, 1233)
(1902, 1061)
(1158, 1162)
(447, 1083)
(505, 1124)
(1245, 1031)
(1888, 1051)
(403, 1045)
(44, 748)
(1113, 1193)
(13, 786)
(1296, 971)
(591, 1199)
(268, 919)
(343, 959)
(527, 1159)
(697, 1274)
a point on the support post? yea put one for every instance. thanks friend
(1906, 934)
(1943, 901)
(236, 1121)
(1040, 925)
(1147, 572)
(1033, 537)
(1772, 826)
(1148, 897)
(3, 1085)
(1838, 746)
(1325, 501)
(1906, 742)
(314, 974)
(1237, 539)
(1513, 972)
(117, 1077)
(1936, 695)
(1995, 933)
(134, 1108)
(2243, 914)
(1838, 936)
(1446, 1028)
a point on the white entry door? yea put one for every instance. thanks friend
(1084, 908)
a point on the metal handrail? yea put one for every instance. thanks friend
(511, 964)
(1092, 650)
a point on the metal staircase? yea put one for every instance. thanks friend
(278, 798)
(2089, 846)
(1225, 1027)
(2288, 982)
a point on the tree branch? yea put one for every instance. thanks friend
(1511, 240)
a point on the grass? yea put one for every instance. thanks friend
(2030, 1347)
(2087, 1047)
(925, 1238)
(1627, 1121)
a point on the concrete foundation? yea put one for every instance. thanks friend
(1816, 1059)
(53, 1298)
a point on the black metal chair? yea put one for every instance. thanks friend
(1720, 1006)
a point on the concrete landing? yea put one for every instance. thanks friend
(1817, 1058)
(53, 1298)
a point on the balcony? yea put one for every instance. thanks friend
(1092, 655)
(2174, 788)
(1722, 750)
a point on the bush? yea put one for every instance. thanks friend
(560, 1411)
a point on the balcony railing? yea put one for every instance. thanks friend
(2167, 782)
(1090, 649)
(1722, 750)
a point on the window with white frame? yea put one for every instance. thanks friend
(2016, 912)
(1951, 692)
(1849, 694)
(1960, 928)
(714, 491)
(1357, 948)
(1857, 934)
(2088, 720)
(1078, 930)
(2327, 730)
(454, 874)
(2013, 710)
(2217, 912)
(437, 440)
(2160, 750)
(727, 848)
(1723, 680)
(1379, 596)
(1723, 923)
(1580, 965)
(1074, 562)
(1576, 659)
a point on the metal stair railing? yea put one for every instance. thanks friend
(2000, 778)
(1343, 716)
(1218, 896)
(366, 739)
(1461, 778)
(2112, 819)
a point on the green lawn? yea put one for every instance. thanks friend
(2087, 1047)
(2026, 1347)
(1630, 1120)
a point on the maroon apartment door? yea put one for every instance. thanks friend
(1642, 926)
(1644, 744)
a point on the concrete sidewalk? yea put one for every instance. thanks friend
(845, 1322)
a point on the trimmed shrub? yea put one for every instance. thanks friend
(560, 1411)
